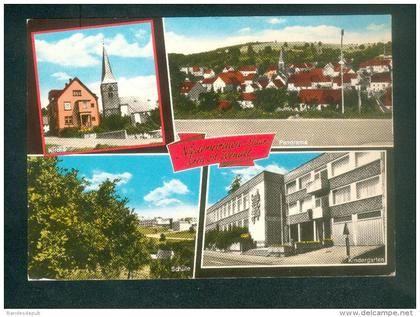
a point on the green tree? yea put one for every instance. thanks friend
(162, 237)
(270, 99)
(236, 183)
(208, 101)
(71, 228)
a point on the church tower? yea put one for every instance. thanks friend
(281, 65)
(109, 88)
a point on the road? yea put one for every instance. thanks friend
(333, 255)
(300, 132)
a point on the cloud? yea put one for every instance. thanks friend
(179, 43)
(80, 50)
(176, 212)
(140, 33)
(61, 76)
(375, 27)
(143, 86)
(161, 196)
(245, 30)
(98, 177)
(276, 21)
(249, 172)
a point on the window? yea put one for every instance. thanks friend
(77, 93)
(340, 166)
(293, 208)
(291, 187)
(246, 201)
(229, 206)
(93, 119)
(68, 120)
(342, 219)
(84, 104)
(233, 205)
(239, 203)
(246, 223)
(92, 105)
(341, 195)
(371, 214)
(306, 204)
(362, 158)
(304, 180)
(368, 188)
(67, 105)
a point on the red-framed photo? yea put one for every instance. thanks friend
(98, 87)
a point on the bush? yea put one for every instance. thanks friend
(70, 133)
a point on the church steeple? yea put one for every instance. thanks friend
(109, 88)
(107, 76)
(281, 61)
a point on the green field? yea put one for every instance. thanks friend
(187, 235)
(152, 230)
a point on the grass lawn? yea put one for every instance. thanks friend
(152, 230)
(181, 235)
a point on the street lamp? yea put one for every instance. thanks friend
(346, 232)
(341, 62)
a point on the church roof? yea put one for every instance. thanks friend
(137, 104)
(107, 76)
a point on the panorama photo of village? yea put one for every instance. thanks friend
(314, 80)
(91, 218)
(97, 88)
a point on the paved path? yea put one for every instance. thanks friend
(327, 256)
(300, 132)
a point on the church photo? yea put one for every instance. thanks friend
(98, 88)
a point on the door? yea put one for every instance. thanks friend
(337, 230)
(370, 229)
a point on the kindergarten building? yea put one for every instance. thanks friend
(311, 203)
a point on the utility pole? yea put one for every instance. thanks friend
(341, 70)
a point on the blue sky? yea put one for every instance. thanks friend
(221, 178)
(65, 54)
(211, 32)
(148, 181)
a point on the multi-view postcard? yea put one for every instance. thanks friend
(98, 88)
(281, 164)
(315, 81)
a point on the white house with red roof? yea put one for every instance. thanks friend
(247, 70)
(196, 71)
(379, 82)
(228, 81)
(208, 83)
(247, 100)
(300, 67)
(209, 73)
(376, 65)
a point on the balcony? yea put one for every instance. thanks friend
(321, 208)
(318, 186)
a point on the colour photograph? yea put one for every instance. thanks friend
(313, 80)
(98, 88)
(103, 217)
(298, 209)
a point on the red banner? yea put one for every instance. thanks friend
(193, 150)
